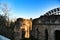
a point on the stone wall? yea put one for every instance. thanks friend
(50, 23)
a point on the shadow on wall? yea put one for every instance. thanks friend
(3, 38)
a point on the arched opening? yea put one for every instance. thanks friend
(46, 34)
(57, 35)
(23, 34)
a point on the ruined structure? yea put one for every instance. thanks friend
(18, 30)
(47, 26)
(20, 26)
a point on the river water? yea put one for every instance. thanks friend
(3, 38)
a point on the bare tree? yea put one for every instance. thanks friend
(5, 10)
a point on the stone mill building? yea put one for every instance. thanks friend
(47, 26)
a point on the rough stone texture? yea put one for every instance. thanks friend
(39, 28)
(43, 28)
(50, 22)
(14, 32)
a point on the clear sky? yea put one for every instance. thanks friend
(30, 8)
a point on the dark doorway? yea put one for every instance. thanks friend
(46, 34)
(23, 34)
(57, 35)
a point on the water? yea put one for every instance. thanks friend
(3, 38)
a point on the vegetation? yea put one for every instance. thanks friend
(31, 38)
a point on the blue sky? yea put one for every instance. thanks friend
(30, 8)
